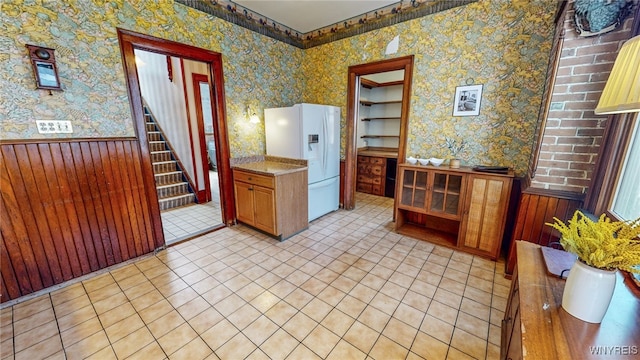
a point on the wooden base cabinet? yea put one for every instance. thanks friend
(511, 331)
(275, 204)
(371, 175)
(458, 208)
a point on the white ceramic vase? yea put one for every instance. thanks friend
(588, 292)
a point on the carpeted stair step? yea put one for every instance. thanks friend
(171, 190)
(176, 201)
(159, 156)
(168, 178)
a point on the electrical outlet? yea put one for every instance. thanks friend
(54, 126)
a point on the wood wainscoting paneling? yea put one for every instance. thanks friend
(68, 208)
(537, 207)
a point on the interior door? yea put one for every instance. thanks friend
(353, 85)
(202, 97)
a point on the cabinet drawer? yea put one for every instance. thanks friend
(376, 181)
(362, 187)
(377, 161)
(377, 190)
(365, 179)
(363, 159)
(251, 178)
(376, 170)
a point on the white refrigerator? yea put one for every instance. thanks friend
(310, 132)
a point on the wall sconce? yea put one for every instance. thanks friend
(44, 67)
(252, 116)
(621, 94)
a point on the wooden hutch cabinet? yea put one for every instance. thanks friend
(458, 208)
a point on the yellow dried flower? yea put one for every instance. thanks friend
(603, 244)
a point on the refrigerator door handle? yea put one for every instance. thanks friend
(325, 143)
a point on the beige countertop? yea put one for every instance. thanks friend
(379, 152)
(272, 168)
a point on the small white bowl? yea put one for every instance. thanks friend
(436, 161)
(423, 161)
(411, 160)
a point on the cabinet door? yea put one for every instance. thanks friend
(265, 209)
(244, 202)
(486, 205)
(446, 195)
(413, 191)
(511, 334)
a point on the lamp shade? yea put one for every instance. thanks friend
(621, 94)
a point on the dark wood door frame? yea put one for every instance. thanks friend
(129, 41)
(353, 93)
(205, 195)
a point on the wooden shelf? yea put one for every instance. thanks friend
(380, 118)
(431, 235)
(369, 103)
(378, 136)
(445, 191)
(369, 84)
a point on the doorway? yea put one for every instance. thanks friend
(356, 74)
(214, 92)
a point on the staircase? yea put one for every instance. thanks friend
(173, 191)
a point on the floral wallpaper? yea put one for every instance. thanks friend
(502, 45)
(259, 72)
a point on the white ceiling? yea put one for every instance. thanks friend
(308, 15)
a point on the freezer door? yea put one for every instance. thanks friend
(321, 140)
(323, 197)
(313, 140)
(283, 131)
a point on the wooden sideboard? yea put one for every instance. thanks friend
(536, 327)
(458, 208)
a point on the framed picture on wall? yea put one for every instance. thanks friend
(467, 100)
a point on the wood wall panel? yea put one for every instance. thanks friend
(70, 208)
(536, 208)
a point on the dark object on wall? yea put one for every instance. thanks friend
(44, 67)
(492, 169)
(594, 17)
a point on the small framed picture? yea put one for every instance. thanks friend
(467, 100)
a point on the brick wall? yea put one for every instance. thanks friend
(573, 132)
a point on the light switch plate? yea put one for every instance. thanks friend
(64, 126)
(54, 126)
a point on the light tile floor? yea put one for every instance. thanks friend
(188, 221)
(346, 288)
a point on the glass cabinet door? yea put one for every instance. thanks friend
(414, 189)
(445, 197)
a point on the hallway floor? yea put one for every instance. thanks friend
(188, 221)
(349, 287)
